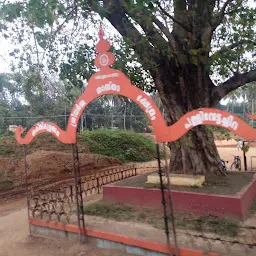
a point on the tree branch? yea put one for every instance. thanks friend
(218, 18)
(59, 28)
(144, 18)
(172, 18)
(231, 84)
(166, 32)
(117, 16)
(145, 21)
(232, 46)
(170, 37)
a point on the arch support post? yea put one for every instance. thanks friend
(78, 193)
(26, 184)
(167, 174)
(160, 172)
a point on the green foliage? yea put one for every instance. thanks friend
(48, 98)
(79, 66)
(126, 146)
(139, 126)
(128, 62)
(28, 95)
(236, 39)
(115, 111)
(6, 152)
(219, 132)
(12, 11)
(246, 148)
(4, 185)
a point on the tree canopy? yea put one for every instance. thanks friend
(219, 34)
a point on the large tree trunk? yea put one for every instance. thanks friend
(196, 152)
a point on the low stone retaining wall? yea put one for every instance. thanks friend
(197, 203)
(109, 240)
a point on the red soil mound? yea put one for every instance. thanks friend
(45, 167)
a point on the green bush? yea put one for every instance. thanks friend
(124, 145)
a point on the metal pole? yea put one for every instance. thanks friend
(82, 123)
(245, 160)
(85, 124)
(76, 190)
(252, 112)
(26, 183)
(124, 115)
(65, 116)
(163, 200)
(170, 201)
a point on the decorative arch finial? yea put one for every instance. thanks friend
(101, 32)
(104, 58)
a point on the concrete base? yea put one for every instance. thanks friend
(178, 179)
(102, 239)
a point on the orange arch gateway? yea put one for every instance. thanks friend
(112, 81)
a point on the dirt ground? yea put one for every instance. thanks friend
(14, 239)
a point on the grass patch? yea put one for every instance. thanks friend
(141, 216)
(223, 226)
(8, 145)
(6, 152)
(120, 212)
(124, 145)
(115, 211)
(5, 182)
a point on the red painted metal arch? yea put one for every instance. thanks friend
(111, 81)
